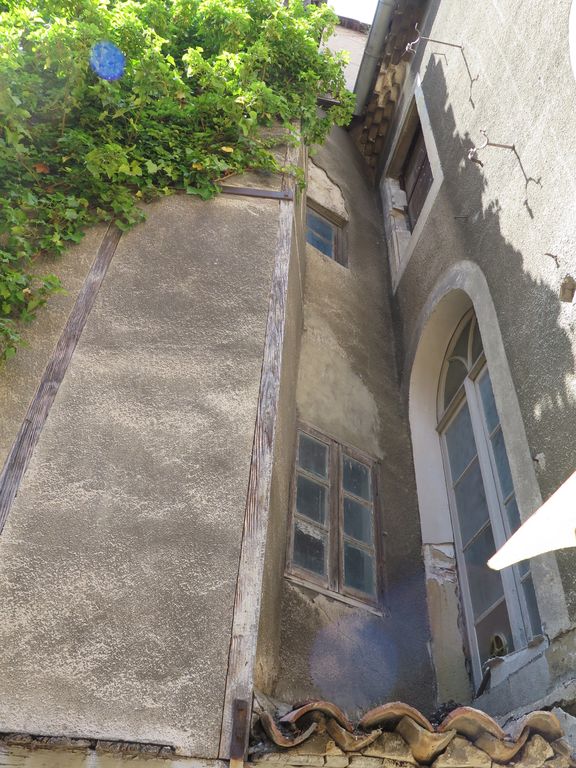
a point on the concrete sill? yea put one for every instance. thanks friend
(335, 595)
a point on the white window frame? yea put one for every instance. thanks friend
(469, 395)
(400, 239)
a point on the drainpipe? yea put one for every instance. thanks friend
(372, 52)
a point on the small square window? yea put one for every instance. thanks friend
(324, 235)
(334, 537)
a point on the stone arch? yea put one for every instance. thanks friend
(461, 287)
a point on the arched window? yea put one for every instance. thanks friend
(499, 607)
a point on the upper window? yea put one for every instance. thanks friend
(324, 235)
(410, 183)
(499, 607)
(416, 176)
(334, 526)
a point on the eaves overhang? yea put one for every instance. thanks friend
(382, 73)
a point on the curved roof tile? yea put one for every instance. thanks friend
(465, 730)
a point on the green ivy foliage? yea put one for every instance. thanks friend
(202, 79)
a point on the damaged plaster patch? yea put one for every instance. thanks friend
(322, 190)
(440, 562)
(445, 622)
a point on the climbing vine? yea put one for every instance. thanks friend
(198, 82)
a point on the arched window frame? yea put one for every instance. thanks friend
(522, 626)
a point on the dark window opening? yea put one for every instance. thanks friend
(416, 176)
(325, 236)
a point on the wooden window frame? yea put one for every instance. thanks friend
(402, 235)
(333, 582)
(424, 169)
(340, 254)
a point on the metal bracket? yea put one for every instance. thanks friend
(273, 194)
(411, 47)
(239, 736)
(473, 153)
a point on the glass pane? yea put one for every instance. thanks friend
(454, 377)
(471, 503)
(358, 569)
(356, 478)
(513, 514)
(494, 633)
(311, 499)
(309, 548)
(485, 584)
(312, 455)
(323, 246)
(357, 520)
(461, 347)
(460, 442)
(319, 225)
(488, 403)
(534, 615)
(502, 464)
(477, 345)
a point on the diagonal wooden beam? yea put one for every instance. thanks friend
(39, 408)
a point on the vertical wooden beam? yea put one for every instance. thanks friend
(39, 408)
(246, 617)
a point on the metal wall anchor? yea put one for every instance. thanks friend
(473, 153)
(411, 47)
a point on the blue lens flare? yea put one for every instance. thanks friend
(107, 60)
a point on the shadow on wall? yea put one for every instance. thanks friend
(535, 324)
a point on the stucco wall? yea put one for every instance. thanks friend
(118, 562)
(513, 218)
(347, 388)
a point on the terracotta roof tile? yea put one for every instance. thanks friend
(347, 741)
(425, 746)
(326, 707)
(471, 723)
(274, 733)
(391, 714)
(466, 738)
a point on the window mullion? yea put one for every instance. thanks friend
(462, 571)
(334, 516)
(496, 513)
(482, 450)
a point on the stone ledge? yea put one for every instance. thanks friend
(100, 746)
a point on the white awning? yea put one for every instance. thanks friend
(551, 527)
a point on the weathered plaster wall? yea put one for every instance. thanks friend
(511, 217)
(443, 597)
(347, 388)
(118, 562)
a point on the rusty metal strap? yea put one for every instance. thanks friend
(273, 194)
